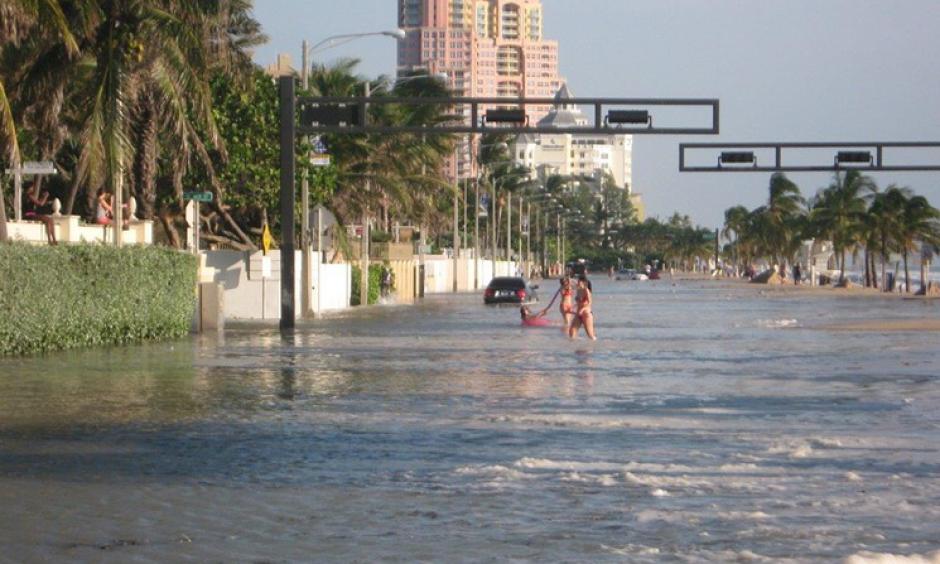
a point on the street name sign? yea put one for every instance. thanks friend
(198, 196)
(35, 167)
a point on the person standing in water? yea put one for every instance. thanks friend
(583, 315)
(567, 303)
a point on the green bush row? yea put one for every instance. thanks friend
(375, 278)
(70, 296)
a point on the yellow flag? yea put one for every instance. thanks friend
(266, 239)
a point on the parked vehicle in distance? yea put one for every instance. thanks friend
(576, 268)
(631, 274)
(510, 290)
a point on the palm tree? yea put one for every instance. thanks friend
(886, 213)
(40, 19)
(837, 211)
(919, 221)
(781, 218)
(735, 224)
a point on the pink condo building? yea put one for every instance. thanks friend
(487, 48)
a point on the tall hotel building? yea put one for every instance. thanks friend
(487, 48)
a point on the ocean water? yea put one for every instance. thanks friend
(710, 422)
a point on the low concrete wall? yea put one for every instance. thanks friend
(70, 229)
(254, 292)
(439, 272)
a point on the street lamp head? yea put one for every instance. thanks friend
(397, 33)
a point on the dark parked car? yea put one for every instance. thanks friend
(510, 290)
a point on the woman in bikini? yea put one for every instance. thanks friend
(583, 316)
(567, 305)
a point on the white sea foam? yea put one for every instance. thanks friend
(570, 465)
(606, 480)
(777, 323)
(886, 558)
(743, 515)
(853, 477)
(659, 492)
(631, 550)
(493, 472)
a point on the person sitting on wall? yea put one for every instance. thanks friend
(40, 209)
(104, 214)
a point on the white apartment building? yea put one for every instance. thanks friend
(575, 154)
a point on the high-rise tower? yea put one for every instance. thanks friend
(487, 48)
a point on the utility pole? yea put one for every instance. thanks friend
(476, 236)
(493, 229)
(364, 260)
(287, 120)
(305, 261)
(456, 221)
(509, 232)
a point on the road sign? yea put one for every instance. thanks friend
(198, 196)
(35, 167)
(266, 239)
(319, 160)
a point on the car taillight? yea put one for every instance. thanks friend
(521, 294)
(489, 293)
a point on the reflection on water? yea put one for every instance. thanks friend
(709, 423)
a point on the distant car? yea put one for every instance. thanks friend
(631, 274)
(576, 268)
(510, 290)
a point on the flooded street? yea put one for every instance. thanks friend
(709, 423)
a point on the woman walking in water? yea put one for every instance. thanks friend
(583, 316)
(567, 303)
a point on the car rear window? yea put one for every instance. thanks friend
(507, 284)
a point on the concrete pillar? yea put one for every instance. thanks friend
(211, 306)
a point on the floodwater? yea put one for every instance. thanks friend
(709, 423)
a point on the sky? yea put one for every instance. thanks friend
(783, 70)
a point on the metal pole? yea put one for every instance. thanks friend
(456, 221)
(288, 139)
(493, 232)
(476, 214)
(303, 69)
(306, 306)
(528, 239)
(364, 259)
(319, 254)
(463, 240)
(476, 236)
(508, 233)
(305, 260)
(558, 237)
(521, 265)
(564, 227)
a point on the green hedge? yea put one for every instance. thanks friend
(375, 278)
(71, 296)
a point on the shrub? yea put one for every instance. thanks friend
(71, 296)
(375, 277)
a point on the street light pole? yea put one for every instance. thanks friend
(364, 260)
(476, 236)
(456, 221)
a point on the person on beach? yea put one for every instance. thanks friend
(797, 274)
(40, 209)
(583, 317)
